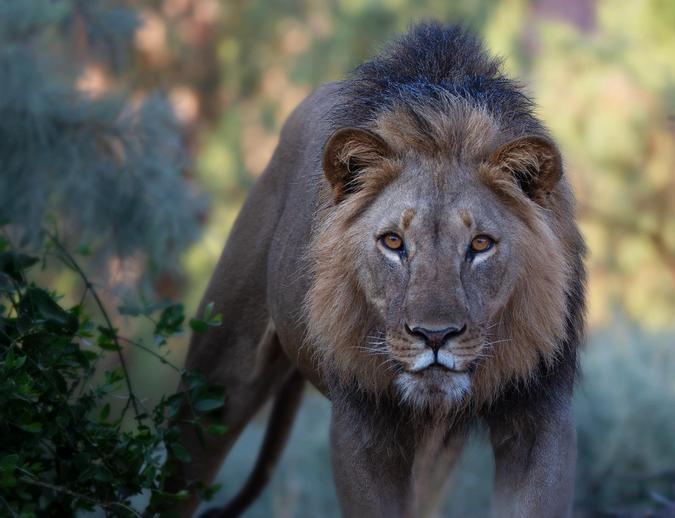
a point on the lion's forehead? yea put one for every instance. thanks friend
(447, 127)
(414, 204)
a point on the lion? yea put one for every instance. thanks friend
(411, 250)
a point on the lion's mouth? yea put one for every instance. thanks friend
(440, 368)
(442, 363)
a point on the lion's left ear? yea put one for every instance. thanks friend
(534, 162)
(347, 152)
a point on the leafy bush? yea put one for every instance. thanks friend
(64, 447)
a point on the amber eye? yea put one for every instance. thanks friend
(481, 244)
(392, 241)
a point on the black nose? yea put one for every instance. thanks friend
(435, 338)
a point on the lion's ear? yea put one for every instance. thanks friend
(347, 152)
(534, 163)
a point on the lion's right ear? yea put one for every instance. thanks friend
(534, 162)
(346, 154)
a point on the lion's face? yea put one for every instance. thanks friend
(436, 260)
(439, 275)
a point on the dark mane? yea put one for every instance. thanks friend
(429, 61)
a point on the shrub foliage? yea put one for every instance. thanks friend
(65, 445)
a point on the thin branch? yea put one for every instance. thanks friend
(8, 507)
(153, 353)
(70, 261)
(66, 491)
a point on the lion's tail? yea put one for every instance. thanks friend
(284, 410)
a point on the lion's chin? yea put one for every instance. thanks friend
(433, 388)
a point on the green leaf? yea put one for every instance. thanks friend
(10, 359)
(211, 319)
(198, 326)
(170, 321)
(89, 356)
(7, 480)
(115, 375)
(9, 461)
(194, 380)
(161, 498)
(102, 474)
(84, 249)
(44, 306)
(14, 264)
(173, 404)
(208, 404)
(31, 427)
(106, 339)
(207, 493)
(104, 413)
(180, 453)
(217, 429)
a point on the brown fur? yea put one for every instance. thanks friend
(337, 306)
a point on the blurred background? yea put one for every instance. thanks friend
(135, 130)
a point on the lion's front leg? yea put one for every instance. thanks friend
(535, 469)
(372, 464)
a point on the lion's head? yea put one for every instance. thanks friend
(442, 256)
(447, 264)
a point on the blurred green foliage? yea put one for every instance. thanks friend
(76, 151)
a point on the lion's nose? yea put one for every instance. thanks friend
(435, 338)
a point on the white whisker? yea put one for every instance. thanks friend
(487, 344)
